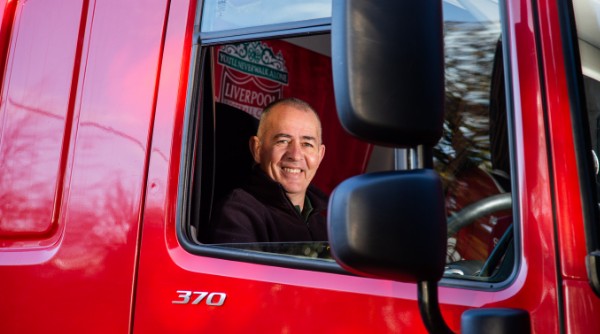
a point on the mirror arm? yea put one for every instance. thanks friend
(417, 157)
(430, 308)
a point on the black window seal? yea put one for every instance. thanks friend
(512, 145)
(288, 29)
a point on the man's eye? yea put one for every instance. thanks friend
(282, 141)
(307, 145)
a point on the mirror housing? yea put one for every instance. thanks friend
(390, 225)
(388, 70)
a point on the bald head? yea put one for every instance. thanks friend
(288, 102)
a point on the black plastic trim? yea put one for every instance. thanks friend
(429, 308)
(510, 120)
(289, 29)
(271, 259)
(496, 321)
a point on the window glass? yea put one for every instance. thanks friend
(219, 15)
(472, 156)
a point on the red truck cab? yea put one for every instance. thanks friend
(461, 150)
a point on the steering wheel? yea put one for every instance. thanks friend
(469, 215)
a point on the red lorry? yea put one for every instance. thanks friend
(461, 165)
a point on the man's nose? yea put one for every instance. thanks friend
(294, 151)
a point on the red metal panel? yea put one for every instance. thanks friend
(35, 115)
(83, 282)
(581, 304)
(582, 308)
(4, 5)
(567, 194)
(7, 15)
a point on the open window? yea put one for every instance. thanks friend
(244, 78)
(236, 75)
(242, 65)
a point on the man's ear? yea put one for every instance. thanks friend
(322, 154)
(254, 144)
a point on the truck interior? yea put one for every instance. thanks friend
(472, 156)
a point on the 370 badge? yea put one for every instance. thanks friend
(197, 297)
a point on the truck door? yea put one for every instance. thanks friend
(247, 53)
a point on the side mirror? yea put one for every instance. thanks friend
(390, 225)
(388, 70)
(388, 77)
(393, 225)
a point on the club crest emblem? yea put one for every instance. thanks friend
(253, 76)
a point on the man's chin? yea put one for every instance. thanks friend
(293, 190)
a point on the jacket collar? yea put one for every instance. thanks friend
(265, 189)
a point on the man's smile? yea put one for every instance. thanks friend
(292, 170)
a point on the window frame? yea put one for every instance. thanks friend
(198, 80)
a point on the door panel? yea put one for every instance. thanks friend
(79, 96)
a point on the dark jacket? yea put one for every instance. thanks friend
(260, 211)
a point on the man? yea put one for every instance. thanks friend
(278, 203)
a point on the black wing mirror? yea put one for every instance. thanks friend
(388, 70)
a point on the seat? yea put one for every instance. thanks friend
(232, 158)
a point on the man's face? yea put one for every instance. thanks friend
(289, 149)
